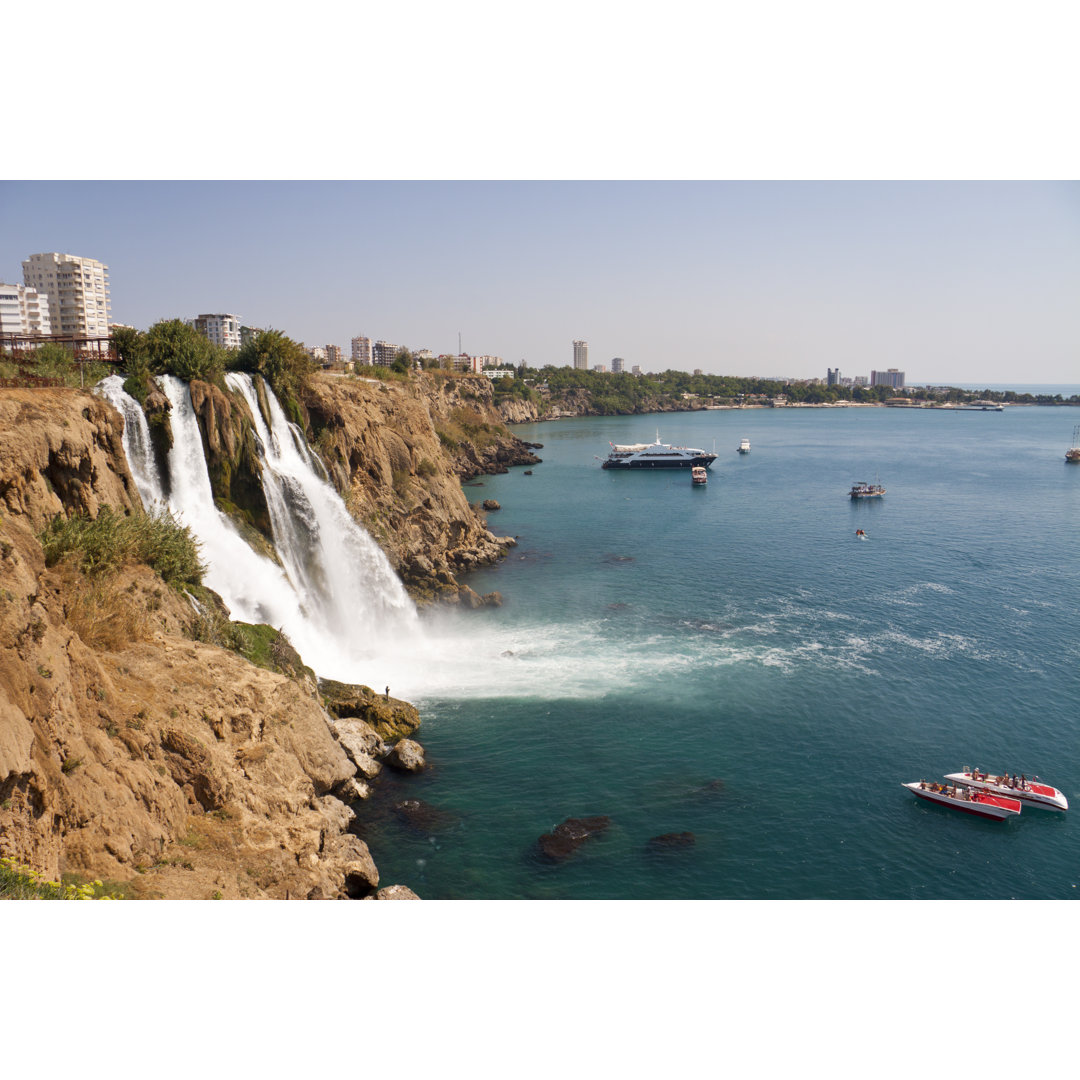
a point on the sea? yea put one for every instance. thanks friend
(733, 668)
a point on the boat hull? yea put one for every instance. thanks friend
(704, 460)
(981, 804)
(1034, 794)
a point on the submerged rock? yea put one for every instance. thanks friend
(423, 816)
(566, 838)
(671, 841)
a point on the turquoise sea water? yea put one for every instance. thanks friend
(733, 662)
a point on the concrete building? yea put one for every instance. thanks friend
(78, 292)
(636, 369)
(617, 365)
(23, 310)
(223, 330)
(335, 354)
(581, 355)
(382, 353)
(833, 378)
(602, 368)
(362, 352)
(892, 378)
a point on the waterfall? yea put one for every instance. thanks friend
(137, 443)
(340, 573)
(336, 596)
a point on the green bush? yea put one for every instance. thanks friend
(103, 544)
(172, 347)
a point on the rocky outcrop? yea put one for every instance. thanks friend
(129, 751)
(62, 454)
(385, 446)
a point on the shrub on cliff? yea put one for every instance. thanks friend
(104, 544)
(175, 348)
(281, 362)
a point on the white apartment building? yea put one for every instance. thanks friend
(78, 292)
(362, 352)
(222, 330)
(23, 310)
(581, 355)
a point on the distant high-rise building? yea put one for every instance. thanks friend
(833, 377)
(78, 292)
(23, 310)
(600, 367)
(335, 354)
(581, 355)
(362, 351)
(616, 365)
(892, 377)
(382, 353)
(223, 330)
(636, 369)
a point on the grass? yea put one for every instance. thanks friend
(19, 882)
(102, 545)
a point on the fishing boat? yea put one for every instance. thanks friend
(744, 447)
(1073, 453)
(698, 475)
(863, 490)
(969, 800)
(656, 455)
(1031, 792)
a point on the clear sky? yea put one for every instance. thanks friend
(948, 281)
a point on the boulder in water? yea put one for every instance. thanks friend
(407, 755)
(423, 816)
(565, 839)
(491, 504)
(396, 892)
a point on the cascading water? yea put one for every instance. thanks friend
(344, 581)
(337, 598)
(137, 443)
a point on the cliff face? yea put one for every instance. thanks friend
(61, 451)
(128, 750)
(398, 451)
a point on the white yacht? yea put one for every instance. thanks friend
(656, 455)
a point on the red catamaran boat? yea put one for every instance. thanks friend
(1031, 792)
(970, 800)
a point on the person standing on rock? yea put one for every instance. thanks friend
(388, 693)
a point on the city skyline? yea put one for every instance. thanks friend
(950, 281)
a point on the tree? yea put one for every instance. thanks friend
(279, 360)
(175, 348)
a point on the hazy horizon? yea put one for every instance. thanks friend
(948, 281)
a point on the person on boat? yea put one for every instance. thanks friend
(1023, 781)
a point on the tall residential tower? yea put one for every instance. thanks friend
(78, 292)
(581, 355)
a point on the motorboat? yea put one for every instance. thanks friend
(698, 475)
(1031, 792)
(968, 799)
(656, 455)
(744, 447)
(864, 490)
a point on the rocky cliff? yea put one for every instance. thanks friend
(397, 451)
(133, 752)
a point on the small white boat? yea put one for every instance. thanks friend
(1073, 453)
(970, 800)
(698, 475)
(1032, 792)
(864, 490)
(744, 447)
